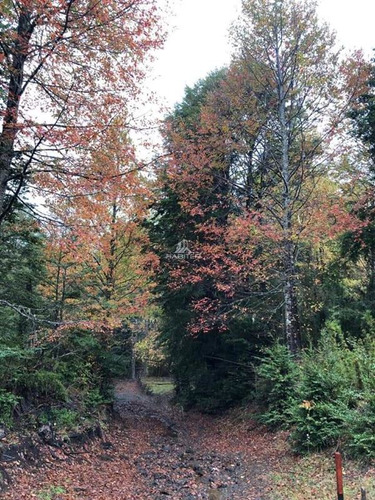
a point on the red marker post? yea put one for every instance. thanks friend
(339, 480)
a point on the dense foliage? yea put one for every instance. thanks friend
(46, 376)
(73, 281)
(327, 398)
(276, 214)
(244, 266)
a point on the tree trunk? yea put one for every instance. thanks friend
(292, 325)
(18, 55)
(292, 328)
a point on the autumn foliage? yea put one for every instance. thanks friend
(69, 70)
(252, 223)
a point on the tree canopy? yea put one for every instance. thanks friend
(242, 259)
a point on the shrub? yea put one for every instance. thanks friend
(276, 386)
(361, 423)
(325, 394)
(94, 399)
(63, 418)
(8, 402)
(317, 425)
(336, 396)
(44, 384)
(51, 493)
(324, 398)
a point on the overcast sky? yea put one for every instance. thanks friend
(198, 42)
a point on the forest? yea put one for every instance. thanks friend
(238, 260)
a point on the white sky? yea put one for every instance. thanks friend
(199, 41)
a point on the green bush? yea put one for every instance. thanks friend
(94, 399)
(45, 384)
(63, 418)
(276, 386)
(318, 425)
(361, 424)
(8, 402)
(325, 397)
(326, 393)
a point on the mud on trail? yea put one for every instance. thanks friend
(153, 451)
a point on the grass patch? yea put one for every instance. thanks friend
(51, 493)
(159, 386)
(313, 478)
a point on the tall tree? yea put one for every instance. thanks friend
(22, 271)
(60, 61)
(97, 270)
(360, 243)
(248, 163)
(297, 93)
(209, 350)
(363, 115)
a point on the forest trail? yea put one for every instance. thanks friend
(178, 463)
(153, 451)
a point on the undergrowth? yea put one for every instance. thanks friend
(326, 398)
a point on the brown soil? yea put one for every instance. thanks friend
(152, 451)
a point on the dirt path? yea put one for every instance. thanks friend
(176, 465)
(154, 452)
(194, 456)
